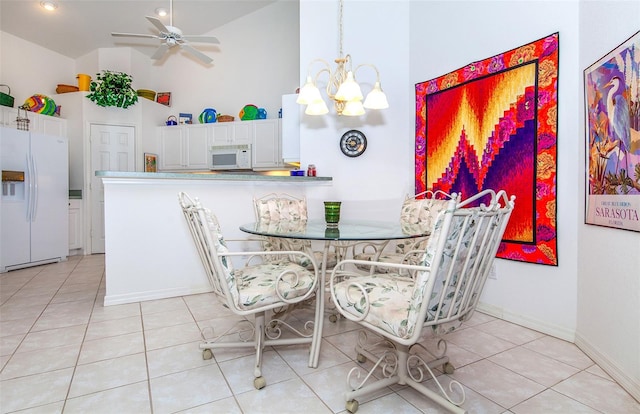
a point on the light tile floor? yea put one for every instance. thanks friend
(62, 351)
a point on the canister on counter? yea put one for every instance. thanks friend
(311, 170)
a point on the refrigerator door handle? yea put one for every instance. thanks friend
(30, 189)
(34, 209)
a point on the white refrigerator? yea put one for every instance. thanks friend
(34, 204)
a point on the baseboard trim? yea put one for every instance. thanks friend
(631, 385)
(110, 300)
(531, 323)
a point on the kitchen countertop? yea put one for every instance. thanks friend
(278, 176)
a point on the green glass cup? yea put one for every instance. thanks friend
(332, 213)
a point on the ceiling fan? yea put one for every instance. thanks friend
(172, 36)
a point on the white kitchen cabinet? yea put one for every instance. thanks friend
(266, 146)
(75, 226)
(222, 133)
(50, 125)
(42, 124)
(8, 118)
(231, 133)
(243, 132)
(184, 147)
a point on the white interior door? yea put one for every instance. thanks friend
(112, 149)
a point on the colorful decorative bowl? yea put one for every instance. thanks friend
(41, 104)
(248, 113)
(208, 116)
(66, 88)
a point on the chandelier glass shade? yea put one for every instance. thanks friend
(342, 87)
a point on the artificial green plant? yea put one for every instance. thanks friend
(112, 89)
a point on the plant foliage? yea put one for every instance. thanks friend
(112, 89)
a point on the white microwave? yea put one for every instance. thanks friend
(230, 157)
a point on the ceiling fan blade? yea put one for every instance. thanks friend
(158, 24)
(196, 53)
(160, 51)
(203, 39)
(134, 35)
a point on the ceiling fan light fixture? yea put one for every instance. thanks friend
(49, 5)
(171, 36)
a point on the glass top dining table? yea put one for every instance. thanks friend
(347, 230)
(341, 236)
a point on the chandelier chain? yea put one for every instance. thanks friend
(340, 27)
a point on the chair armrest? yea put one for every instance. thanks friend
(339, 272)
(292, 253)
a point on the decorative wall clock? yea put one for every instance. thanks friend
(353, 143)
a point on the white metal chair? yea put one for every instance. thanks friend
(441, 292)
(274, 208)
(419, 211)
(259, 288)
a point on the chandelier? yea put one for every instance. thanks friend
(342, 87)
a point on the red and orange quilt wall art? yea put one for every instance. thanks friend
(493, 124)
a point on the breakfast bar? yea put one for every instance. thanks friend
(149, 253)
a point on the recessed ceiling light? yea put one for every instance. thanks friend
(161, 12)
(49, 5)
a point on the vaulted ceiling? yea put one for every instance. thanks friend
(77, 27)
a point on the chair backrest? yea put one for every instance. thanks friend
(419, 212)
(207, 236)
(459, 253)
(277, 207)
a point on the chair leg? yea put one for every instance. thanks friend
(398, 366)
(260, 333)
(259, 382)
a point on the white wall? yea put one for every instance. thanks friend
(256, 63)
(377, 32)
(29, 69)
(444, 36)
(541, 297)
(608, 259)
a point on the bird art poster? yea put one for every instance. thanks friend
(612, 99)
(493, 125)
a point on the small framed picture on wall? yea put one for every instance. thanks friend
(164, 98)
(150, 162)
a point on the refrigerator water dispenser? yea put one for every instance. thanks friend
(13, 185)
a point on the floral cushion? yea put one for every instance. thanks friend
(279, 209)
(220, 247)
(416, 215)
(292, 212)
(255, 286)
(385, 257)
(422, 212)
(390, 299)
